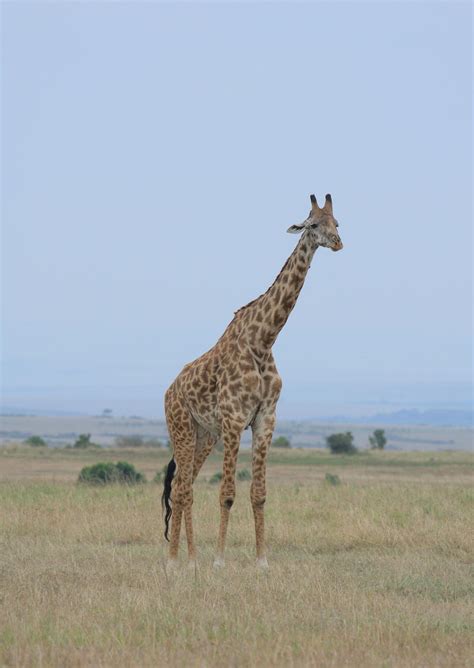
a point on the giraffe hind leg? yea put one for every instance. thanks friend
(182, 431)
(204, 445)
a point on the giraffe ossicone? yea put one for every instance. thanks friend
(232, 386)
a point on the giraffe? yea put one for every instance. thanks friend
(231, 387)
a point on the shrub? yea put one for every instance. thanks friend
(281, 442)
(342, 443)
(160, 475)
(104, 473)
(243, 474)
(99, 474)
(36, 442)
(378, 439)
(332, 479)
(137, 441)
(128, 474)
(84, 441)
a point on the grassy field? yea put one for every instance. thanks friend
(376, 571)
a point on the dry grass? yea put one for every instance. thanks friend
(373, 572)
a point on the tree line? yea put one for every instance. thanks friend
(341, 443)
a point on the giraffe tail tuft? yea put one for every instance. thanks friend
(165, 498)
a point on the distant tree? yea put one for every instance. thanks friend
(341, 444)
(378, 439)
(107, 412)
(84, 441)
(36, 442)
(281, 442)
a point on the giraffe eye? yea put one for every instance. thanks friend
(314, 225)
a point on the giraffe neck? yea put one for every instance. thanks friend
(264, 318)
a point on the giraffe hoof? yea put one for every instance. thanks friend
(218, 563)
(192, 566)
(262, 564)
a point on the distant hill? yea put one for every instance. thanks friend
(14, 410)
(410, 417)
(434, 418)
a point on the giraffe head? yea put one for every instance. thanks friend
(320, 226)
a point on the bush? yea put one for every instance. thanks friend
(128, 474)
(281, 442)
(137, 441)
(341, 444)
(160, 475)
(84, 441)
(104, 473)
(378, 439)
(332, 479)
(36, 442)
(243, 474)
(99, 474)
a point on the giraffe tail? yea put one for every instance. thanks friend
(165, 498)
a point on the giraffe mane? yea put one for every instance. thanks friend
(251, 303)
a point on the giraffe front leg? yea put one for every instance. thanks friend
(262, 432)
(188, 522)
(174, 539)
(227, 489)
(182, 499)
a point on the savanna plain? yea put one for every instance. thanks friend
(373, 571)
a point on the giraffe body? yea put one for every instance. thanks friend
(236, 385)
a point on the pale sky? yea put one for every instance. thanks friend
(153, 156)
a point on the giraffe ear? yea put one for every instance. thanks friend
(295, 229)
